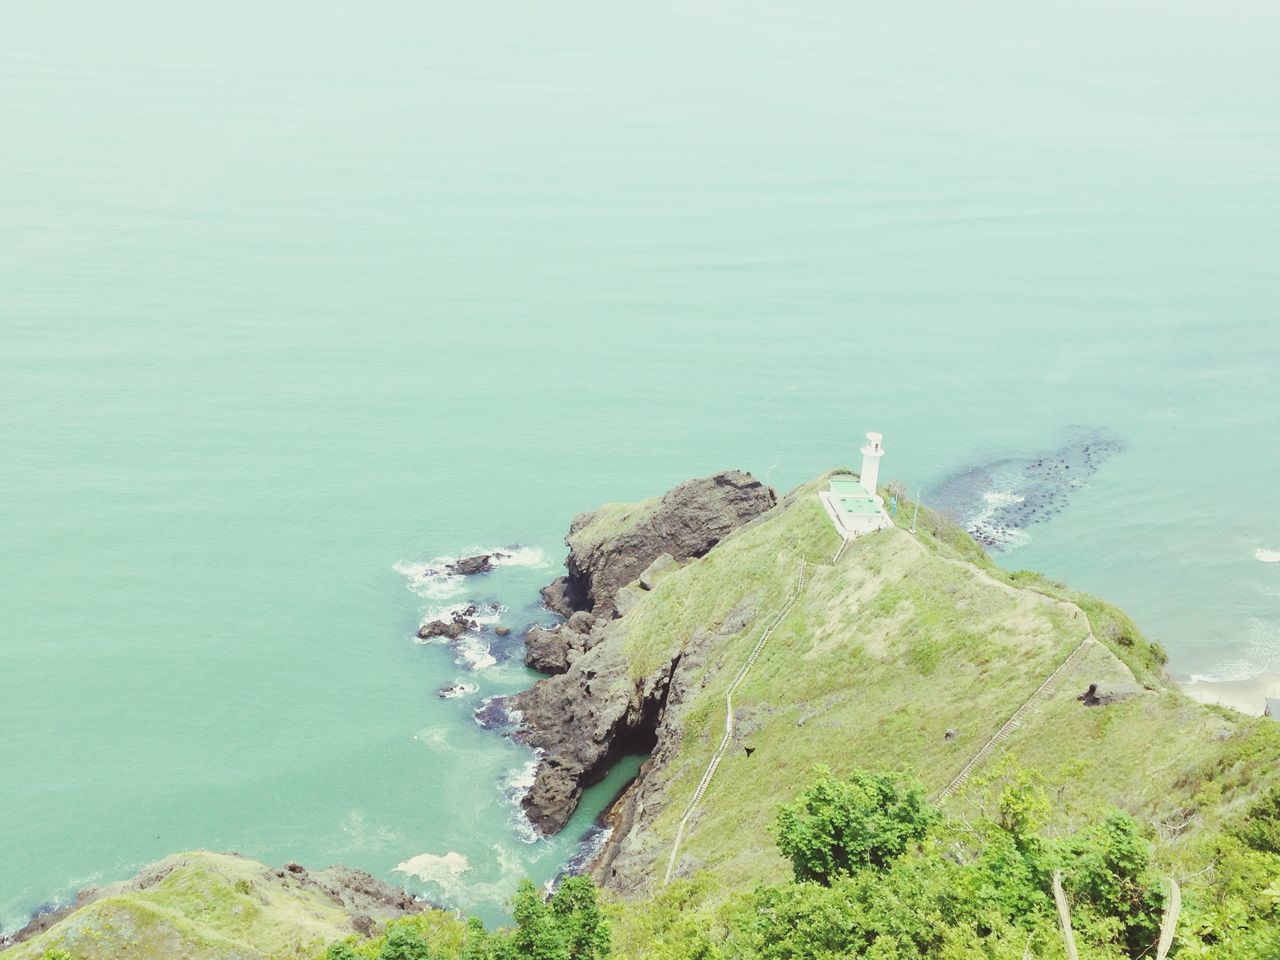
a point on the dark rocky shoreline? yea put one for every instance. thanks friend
(590, 711)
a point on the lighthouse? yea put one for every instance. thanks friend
(851, 502)
(871, 454)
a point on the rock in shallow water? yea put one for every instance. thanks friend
(459, 688)
(468, 566)
(997, 501)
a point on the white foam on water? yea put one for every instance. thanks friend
(433, 581)
(1267, 556)
(1229, 671)
(443, 870)
(534, 557)
(484, 617)
(460, 688)
(473, 653)
(515, 787)
(587, 850)
(1261, 655)
(981, 524)
(430, 580)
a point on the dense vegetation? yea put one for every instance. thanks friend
(883, 875)
(569, 926)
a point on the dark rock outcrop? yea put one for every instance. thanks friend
(617, 544)
(458, 624)
(554, 595)
(609, 547)
(584, 719)
(627, 860)
(552, 649)
(1103, 694)
(449, 629)
(468, 566)
(592, 711)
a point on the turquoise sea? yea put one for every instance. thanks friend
(297, 298)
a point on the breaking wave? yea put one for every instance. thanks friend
(534, 557)
(473, 652)
(432, 580)
(1267, 556)
(1260, 654)
(515, 787)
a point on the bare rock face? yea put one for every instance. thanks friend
(469, 566)
(615, 545)
(552, 649)
(581, 721)
(584, 719)
(629, 859)
(609, 548)
(592, 711)
(661, 564)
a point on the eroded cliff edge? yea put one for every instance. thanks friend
(595, 708)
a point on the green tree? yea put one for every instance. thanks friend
(1260, 827)
(576, 909)
(537, 935)
(404, 943)
(341, 950)
(1107, 867)
(478, 944)
(838, 827)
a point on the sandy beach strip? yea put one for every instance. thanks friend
(1247, 696)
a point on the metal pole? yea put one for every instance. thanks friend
(916, 515)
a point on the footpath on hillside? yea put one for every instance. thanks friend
(1019, 716)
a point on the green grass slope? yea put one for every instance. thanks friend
(198, 905)
(910, 653)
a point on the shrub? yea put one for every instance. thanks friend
(838, 827)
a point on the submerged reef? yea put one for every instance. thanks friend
(997, 501)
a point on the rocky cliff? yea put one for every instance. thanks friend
(596, 709)
(619, 544)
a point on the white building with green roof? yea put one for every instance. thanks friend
(852, 502)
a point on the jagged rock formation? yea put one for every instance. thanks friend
(585, 718)
(610, 547)
(617, 544)
(593, 711)
(468, 566)
(582, 721)
(552, 649)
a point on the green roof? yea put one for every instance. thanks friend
(848, 497)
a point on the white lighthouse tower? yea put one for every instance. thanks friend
(871, 454)
(852, 503)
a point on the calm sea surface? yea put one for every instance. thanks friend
(295, 298)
